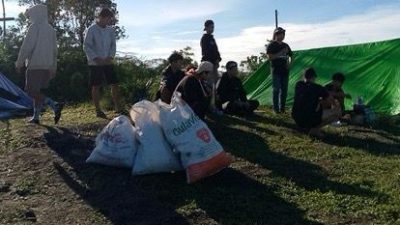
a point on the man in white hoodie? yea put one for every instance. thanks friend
(100, 48)
(39, 54)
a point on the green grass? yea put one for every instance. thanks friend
(279, 176)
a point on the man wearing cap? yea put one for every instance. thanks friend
(193, 91)
(231, 94)
(280, 56)
(210, 53)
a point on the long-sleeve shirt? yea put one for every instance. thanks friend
(99, 42)
(209, 49)
(39, 49)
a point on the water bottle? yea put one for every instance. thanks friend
(360, 100)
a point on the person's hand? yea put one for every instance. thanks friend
(108, 60)
(18, 69)
(99, 60)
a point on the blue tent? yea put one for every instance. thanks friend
(13, 101)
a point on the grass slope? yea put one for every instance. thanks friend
(280, 176)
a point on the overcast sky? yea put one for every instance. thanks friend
(157, 27)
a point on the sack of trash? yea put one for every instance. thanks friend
(200, 153)
(116, 144)
(154, 154)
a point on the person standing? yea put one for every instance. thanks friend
(100, 48)
(39, 54)
(280, 56)
(210, 53)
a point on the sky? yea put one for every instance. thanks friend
(155, 28)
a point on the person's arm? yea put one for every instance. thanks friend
(113, 47)
(290, 54)
(27, 47)
(55, 53)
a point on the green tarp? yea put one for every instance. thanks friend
(372, 71)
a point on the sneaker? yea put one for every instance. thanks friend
(57, 112)
(33, 121)
(101, 114)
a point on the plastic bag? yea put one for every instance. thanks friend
(116, 144)
(201, 154)
(154, 155)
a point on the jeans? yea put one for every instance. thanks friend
(279, 91)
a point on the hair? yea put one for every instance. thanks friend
(338, 77)
(106, 12)
(190, 67)
(310, 73)
(174, 57)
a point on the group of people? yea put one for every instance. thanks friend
(201, 87)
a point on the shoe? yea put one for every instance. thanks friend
(57, 112)
(101, 114)
(33, 121)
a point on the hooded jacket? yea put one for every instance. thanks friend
(39, 49)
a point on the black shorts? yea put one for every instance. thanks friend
(100, 73)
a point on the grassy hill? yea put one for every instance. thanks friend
(279, 176)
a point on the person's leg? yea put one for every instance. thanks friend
(283, 94)
(276, 84)
(112, 80)
(32, 87)
(253, 105)
(95, 82)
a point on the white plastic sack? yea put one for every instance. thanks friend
(116, 144)
(154, 155)
(201, 154)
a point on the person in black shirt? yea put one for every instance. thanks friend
(231, 94)
(171, 77)
(335, 89)
(313, 107)
(210, 53)
(193, 91)
(280, 56)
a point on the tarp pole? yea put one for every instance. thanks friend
(276, 18)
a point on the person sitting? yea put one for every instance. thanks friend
(335, 89)
(193, 91)
(231, 94)
(171, 77)
(313, 106)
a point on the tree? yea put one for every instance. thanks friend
(253, 62)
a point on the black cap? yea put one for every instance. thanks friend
(208, 23)
(279, 30)
(230, 64)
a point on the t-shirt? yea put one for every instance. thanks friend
(306, 111)
(230, 88)
(209, 49)
(279, 65)
(195, 95)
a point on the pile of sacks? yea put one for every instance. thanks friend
(165, 138)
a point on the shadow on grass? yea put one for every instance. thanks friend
(307, 175)
(368, 144)
(110, 191)
(229, 197)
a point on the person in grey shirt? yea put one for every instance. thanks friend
(100, 48)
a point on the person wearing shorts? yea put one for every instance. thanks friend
(39, 54)
(100, 48)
